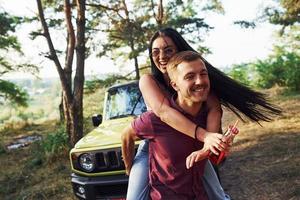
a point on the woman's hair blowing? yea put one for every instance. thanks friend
(242, 100)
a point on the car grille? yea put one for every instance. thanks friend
(109, 160)
(105, 160)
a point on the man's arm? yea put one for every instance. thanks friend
(197, 156)
(128, 137)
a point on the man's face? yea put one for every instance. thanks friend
(163, 48)
(191, 81)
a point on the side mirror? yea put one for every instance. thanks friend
(96, 119)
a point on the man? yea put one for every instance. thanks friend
(170, 176)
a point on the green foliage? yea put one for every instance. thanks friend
(54, 143)
(11, 92)
(92, 104)
(286, 14)
(242, 73)
(270, 73)
(292, 72)
(245, 24)
(42, 105)
(283, 66)
(129, 28)
(214, 5)
(281, 69)
(8, 42)
(8, 25)
(8, 90)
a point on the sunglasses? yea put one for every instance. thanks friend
(168, 51)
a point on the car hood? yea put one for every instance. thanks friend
(107, 135)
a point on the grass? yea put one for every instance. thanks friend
(264, 163)
(26, 174)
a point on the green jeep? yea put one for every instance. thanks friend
(98, 171)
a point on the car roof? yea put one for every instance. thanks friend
(135, 82)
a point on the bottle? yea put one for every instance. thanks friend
(228, 137)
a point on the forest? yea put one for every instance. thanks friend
(54, 113)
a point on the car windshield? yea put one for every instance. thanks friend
(124, 101)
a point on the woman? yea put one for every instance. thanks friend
(163, 45)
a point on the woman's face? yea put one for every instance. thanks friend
(163, 48)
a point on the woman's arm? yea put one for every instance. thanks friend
(214, 115)
(213, 124)
(159, 104)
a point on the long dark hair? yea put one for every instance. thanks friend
(242, 100)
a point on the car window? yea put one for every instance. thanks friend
(124, 101)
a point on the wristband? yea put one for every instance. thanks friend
(195, 134)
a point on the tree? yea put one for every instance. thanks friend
(72, 89)
(129, 25)
(9, 42)
(282, 67)
(286, 56)
(287, 14)
(241, 73)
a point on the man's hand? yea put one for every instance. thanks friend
(128, 168)
(195, 157)
(128, 137)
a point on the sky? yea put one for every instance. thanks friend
(228, 43)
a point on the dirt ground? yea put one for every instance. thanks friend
(264, 163)
(265, 160)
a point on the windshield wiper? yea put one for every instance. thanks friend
(131, 112)
(137, 101)
(120, 116)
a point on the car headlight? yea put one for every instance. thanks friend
(87, 162)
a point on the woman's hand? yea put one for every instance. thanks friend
(213, 141)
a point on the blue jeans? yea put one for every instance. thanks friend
(212, 184)
(138, 185)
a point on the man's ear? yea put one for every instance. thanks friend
(174, 85)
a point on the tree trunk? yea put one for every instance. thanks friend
(75, 125)
(61, 110)
(131, 40)
(77, 105)
(160, 13)
(137, 70)
(72, 93)
(136, 64)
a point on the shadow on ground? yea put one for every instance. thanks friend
(267, 167)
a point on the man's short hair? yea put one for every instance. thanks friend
(183, 56)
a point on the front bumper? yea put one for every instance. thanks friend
(100, 188)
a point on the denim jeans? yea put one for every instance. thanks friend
(139, 188)
(212, 184)
(138, 184)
